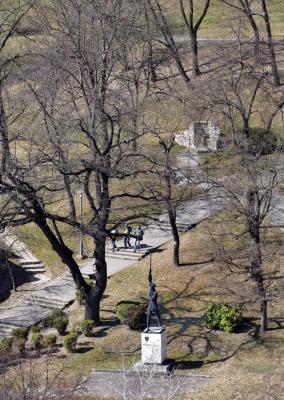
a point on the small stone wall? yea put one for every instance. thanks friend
(201, 136)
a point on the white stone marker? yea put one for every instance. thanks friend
(154, 345)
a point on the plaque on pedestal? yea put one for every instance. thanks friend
(154, 345)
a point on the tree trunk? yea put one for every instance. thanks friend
(263, 316)
(94, 294)
(175, 233)
(273, 62)
(256, 33)
(256, 256)
(194, 54)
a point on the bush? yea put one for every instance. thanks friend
(60, 322)
(134, 317)
(70, 341)
(122, 307)
(20, 333)
(50, 341)
(18, 346)
(260, 142)
(223, 317)
(6, 344)
(37, 341)
(86, 327)
(131, 313)
(79, 295)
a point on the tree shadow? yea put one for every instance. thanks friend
(19, 275)
(193, 264)
(83, 349)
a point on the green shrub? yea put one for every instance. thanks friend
(60, 322)
(18, 346)
(6, 344)
(135, 316)
(122, 307)
(86, 327)
(20, 333)
(50, 341)
(223, 317)
(212, 316)
(37, 341)
(79, 295)
(70, 341)
(131, 313)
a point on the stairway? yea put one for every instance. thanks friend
(6, 329)
(46, 301)
(164, 225)
(32, 267)
(26, 259)
(129, 254)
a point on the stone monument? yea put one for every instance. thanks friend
(201, 136)
(153, 339)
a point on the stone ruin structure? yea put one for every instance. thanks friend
(201, 136)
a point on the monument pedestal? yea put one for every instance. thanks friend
(154, 345)
(154, 353)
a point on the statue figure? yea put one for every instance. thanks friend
(153, 302)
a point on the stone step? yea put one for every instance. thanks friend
(6, 329)
(117, 254)
(31, 262)
(33, 266)
(48, 302)
(168, 228)
(178, 223)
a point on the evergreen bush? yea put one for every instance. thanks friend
(60, 322)
(122, 307)
(86, 327)
(135, 317)
(70, 341)
(131, 313)
(6, 344)
(36, 341)
(18, 346)
(20, 333)
(50, 341)
(224, 317)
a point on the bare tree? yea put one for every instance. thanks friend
(274, 67)
(243, 93)
(192, 24)
(250, 9)
(32, 379)
(245, 7)
(192, 28)
(86, 88)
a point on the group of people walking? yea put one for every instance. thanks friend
(128, 233)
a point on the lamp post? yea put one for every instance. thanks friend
(81, 192)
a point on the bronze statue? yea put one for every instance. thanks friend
(153, 302)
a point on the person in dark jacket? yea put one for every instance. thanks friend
(126, 239)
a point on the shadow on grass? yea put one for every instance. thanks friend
(210, 260)
(83, 349)
(102, 330)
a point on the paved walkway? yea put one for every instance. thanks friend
(124, 384)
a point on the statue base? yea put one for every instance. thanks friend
(154, 346)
